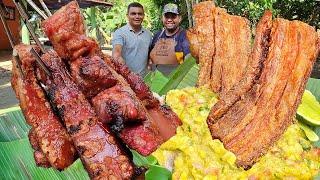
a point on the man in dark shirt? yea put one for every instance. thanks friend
(169, 45)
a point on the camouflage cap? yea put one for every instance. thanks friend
(170, 8)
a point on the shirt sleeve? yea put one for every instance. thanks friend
(117, 38)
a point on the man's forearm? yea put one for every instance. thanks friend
(118, 58)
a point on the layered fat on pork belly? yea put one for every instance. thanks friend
(147, 134)
(100, 152)
(251, 125)
(253, 70)
(201, 38)
(52, 145)
(218, 38)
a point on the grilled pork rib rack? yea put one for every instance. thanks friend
(65, 31)
(89, 95)
(252, 113)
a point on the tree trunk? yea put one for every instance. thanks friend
(189, 9)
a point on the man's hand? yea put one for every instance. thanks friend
(117, 53)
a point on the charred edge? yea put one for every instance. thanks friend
(60, 111)
(138, 171)
(96, 172)
(91, 121)
(73, 129)
(117, 125)
(81, 149)
(266, 45)
(50, 96)
(165, 107)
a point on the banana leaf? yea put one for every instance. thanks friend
(156, 81)
(313, 86)
(16, 155)
(186, 75)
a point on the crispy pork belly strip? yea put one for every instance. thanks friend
(241, 114)
(232, 50)
(203, 35)
(39, 157)
(91, 75)
(268, 108)
(51, 136)
(99, 150)
(253, 70)
(66, 30)
(303, 51)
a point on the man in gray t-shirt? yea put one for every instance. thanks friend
(131, 42)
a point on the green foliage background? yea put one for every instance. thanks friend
(109, 19)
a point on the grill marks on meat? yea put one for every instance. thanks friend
(49, 138)
(91, 75)
(118, 102)
(99, 150)
(251, 125)
(253, 70)
(65, 29)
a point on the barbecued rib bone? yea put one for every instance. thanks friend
(99, 150)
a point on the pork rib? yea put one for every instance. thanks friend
(98, 149)
(147, 136)
(117, 103)
(91, 75)
(52, 138)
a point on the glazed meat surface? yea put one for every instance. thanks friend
(51, 137)
(136, 83)
(117, 103)
(146, 134)
(91, 75)
(101, 154)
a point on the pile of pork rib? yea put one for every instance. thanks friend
(89, 106)
(259, 86)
